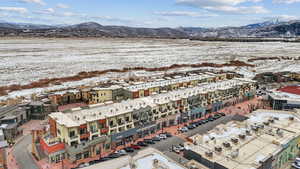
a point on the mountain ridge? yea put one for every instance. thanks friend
(268, 29)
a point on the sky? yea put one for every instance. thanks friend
(149, 13)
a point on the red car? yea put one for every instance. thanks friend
(136, 147)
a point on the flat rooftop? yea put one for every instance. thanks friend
(251, 141)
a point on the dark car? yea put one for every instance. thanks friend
(222, 114)
(217, 116)
(155, 138)
(141, 143)
(114, 155)
(168, 134)
(104, 159)
(149, 141)
(205, 121)
(129, 149)
(136, 147)
(93, 162)
(190, 127)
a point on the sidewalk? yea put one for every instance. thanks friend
(11, 161)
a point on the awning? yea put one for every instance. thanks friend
(125, 134)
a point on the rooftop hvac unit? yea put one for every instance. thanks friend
(235, 140)
(218, 149)
(291, 118)
(234, 154)
(276, 118)
(209, 154)
(266, 123)
(271, 120)
(226, 144)
(248, 132)
(254, 128)
(242, 136)
(279, 132)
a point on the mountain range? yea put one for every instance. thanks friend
(269, 29)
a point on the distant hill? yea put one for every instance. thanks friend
(269, 29)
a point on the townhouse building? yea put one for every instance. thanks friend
(92, 130)
(163, 85)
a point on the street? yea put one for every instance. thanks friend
(22, 155)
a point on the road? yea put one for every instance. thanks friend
(20, 151)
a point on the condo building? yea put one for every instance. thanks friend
(268, 139)
(94, 129)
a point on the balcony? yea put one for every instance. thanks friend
(104, 130)
(73, 150)
(73, 137)
(85, 135)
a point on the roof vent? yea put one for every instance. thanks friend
(242, 136)
(218, 149)
(291, 118)
(235, 140)
(271, 120)
(209, 153)
(266, 123)
(226, 144)
(248, 132)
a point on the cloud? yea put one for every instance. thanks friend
(63, 6)
(286, 1)
(184, 13)
(14, 9)
(112, 19)
(239, 9)
(39, 2)
(225, 6)
(48, 11)
(282, 18)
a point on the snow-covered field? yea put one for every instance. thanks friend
(26, 60)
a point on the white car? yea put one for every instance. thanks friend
(184, 129)
(296, 165)
(297, 160)
(162, 136)
(121, 152)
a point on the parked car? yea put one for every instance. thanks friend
(222, 114)
(175, 149)
(296, 165)
(162, 136)
(184, 129)
(136, 147)
(114, 155)
(149, 141)
(168, 134)
(205, 121)
(103, 159)
(190, 127)
(156, 138)
(129, 149)
(121, 152)
(141, 143)
(82, 165)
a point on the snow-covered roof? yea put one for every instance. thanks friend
(279, 129)
(109, 109)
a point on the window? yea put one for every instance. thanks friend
(78, 156)
(83, 131)
(71, 133)
(86, 155)
(58, 131)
